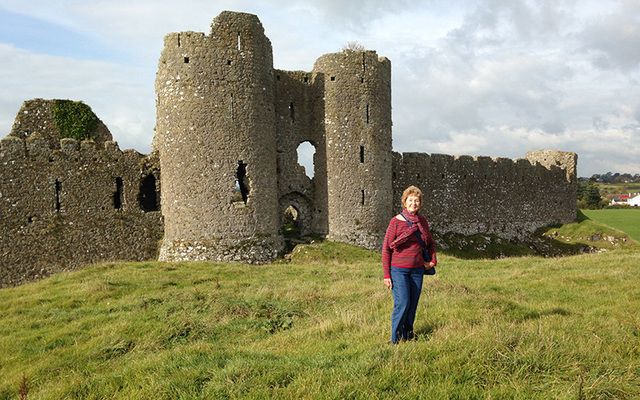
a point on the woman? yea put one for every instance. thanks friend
(404, 264)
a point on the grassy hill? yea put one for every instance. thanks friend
(623, 219)
(318, 327)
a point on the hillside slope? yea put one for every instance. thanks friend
(317, 327)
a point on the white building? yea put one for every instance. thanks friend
(634, 201)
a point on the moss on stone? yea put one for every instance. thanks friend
(74, 119)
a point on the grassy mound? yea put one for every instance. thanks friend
(318, 327)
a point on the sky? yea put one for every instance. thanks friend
(487, 77)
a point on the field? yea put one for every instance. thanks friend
(626, 220)
(318, 327)
(618, 188)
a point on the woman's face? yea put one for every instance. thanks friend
(412, 203)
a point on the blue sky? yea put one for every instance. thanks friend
(484, 77)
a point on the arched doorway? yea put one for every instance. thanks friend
(295, 215)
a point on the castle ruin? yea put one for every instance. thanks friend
(224, 166)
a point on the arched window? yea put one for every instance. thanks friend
(306, 152)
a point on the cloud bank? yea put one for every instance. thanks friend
(490, 77)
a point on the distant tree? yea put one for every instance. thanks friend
(592, 196)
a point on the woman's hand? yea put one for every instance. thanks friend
(387, 283)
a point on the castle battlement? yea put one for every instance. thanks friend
(228, 128)
(37, 148)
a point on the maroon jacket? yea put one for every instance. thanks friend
(409, 253)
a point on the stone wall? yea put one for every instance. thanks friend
(470, 195)
(68, 207)
(299, 106)
(216, 138)
(357, 93)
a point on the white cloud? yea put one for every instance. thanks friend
(121, 96)
(487, 77)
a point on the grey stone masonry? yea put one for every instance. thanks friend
(226, 138)
(216, 139)
(67, 207)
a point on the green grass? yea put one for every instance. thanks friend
(318, 327)
(626, 220)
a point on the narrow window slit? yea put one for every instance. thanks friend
(118, 194)
(364, 62)
(367, 113)
(362, 200)
(242, 185)
(361, 154)
(292, 112)
(58, 190)
(148, 196)
(178, 40)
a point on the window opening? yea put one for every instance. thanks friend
(178, 40)
(292, 112)
(242, 184)
(148, 196)
(291, 222)
(367, 113)
(361, 80)
(362, 200)
(58, 189)
(186, 60)
(333, 78)
(364, 63)
(306, 153)
(306, 79)
(361, 154)
(118, 194)
(228, 62)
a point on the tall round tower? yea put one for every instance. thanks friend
(358, 145)
(215, 134)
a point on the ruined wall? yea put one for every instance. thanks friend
(64, 208)
(357, 93)
(216, 138)
(36, 117)
(470, 195)
(299, 107)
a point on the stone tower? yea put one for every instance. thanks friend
(357, 128)
(215, 134)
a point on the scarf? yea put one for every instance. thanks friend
(416, 225)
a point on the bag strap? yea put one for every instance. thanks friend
(417, 232)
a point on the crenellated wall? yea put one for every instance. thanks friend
(79, 204)
(226, 138)
(470, 195)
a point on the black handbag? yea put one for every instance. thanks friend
(425, 253)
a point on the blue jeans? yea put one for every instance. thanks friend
(407, 285)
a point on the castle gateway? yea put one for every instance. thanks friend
(224, 173)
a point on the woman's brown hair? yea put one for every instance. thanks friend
(411, 191)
